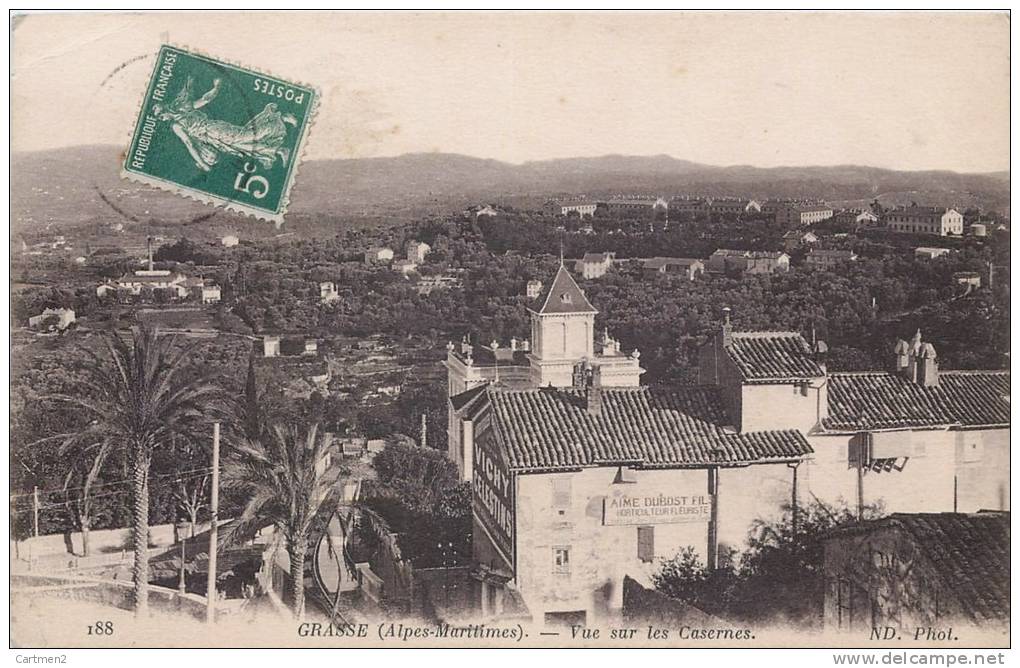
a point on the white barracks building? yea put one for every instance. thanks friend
(582, 476)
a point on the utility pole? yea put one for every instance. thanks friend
(181, 585)
(713, 520)
(863, 450)
(214, 510)
(35, 510)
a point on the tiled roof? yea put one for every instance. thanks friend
(772, 356)
(459, 401)
(818, 252)
(967, 552)
(642, 201)
(768, 255)
(551, 428)
(563, 296)
(888, 401)
(659, 262)
(970, 554)
(128, 279)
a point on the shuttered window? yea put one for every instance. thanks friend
(561, 494)
(561, 560)
(646, 543)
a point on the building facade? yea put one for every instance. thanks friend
(378, 254)
(727, 261)
(594, 265)
(638, 207)
(927, 253)
(925, 220)
(415, 251)
(797, 214)
(562, 336)
(829, 259)
(579, 483)
(690, 268)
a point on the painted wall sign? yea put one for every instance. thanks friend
(493, 492)
(649, 508)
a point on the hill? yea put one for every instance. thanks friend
(81, 184)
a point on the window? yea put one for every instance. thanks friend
(561, 560)
(561, 495)
(646, 544)
(972, 452)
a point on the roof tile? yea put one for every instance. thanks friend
(552, 428)
(883, 400)
(564, 296)
(773, 356)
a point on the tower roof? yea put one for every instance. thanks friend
(564, 296)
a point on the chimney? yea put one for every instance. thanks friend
(927, 367)
(819, 352)
(914, 349)
(594, 393)
(727, 329)
(582, 370)
(901, 357)
(513, 344)
(148, 245)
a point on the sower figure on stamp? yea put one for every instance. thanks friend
(261, 138)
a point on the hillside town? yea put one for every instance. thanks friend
(616, 398)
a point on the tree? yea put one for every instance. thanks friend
(418, 476)
(282, 477)
(82, 505)
(137, 398)
(779, 576)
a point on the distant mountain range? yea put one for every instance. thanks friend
(81, 184)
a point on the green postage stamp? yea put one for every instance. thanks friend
(220, 133)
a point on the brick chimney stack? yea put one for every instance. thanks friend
(927, 367)
(901, 357)
(917, 361)
(914, 354)
(594, 394)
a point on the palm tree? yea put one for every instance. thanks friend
(283, 477)
(136, 396)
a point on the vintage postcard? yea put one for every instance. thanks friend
(511, 330)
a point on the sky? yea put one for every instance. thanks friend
(911, 90)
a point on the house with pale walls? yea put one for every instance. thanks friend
(582, 477)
